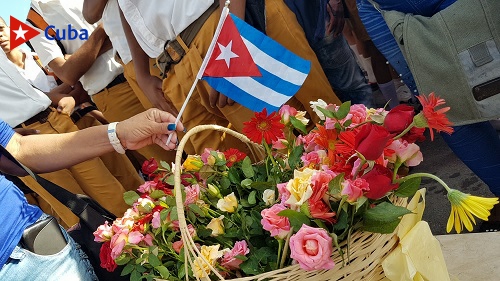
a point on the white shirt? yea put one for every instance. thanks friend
(60, 13)
(113, 27)
(153, 22)
(35, 75)
(19, 101)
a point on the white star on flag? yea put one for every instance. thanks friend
(226, 53)
(20, 33)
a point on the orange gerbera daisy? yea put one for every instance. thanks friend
(264, 127)
(233, 155)
(432, 118)
(327, 139)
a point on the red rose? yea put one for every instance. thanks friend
(371, 140)
(380, 182)
(399, 118)
(107, 261)
(415, 134)
(149, 166)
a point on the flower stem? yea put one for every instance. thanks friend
(416, 175)
(405, 131)
(285, 250)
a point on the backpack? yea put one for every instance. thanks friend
(455, 53)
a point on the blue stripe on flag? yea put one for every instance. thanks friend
(238, 95)
(276, 83)
(271, 47)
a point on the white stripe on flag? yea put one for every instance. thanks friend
(274, 66)
(259, 91)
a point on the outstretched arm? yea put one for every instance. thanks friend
(51, 152)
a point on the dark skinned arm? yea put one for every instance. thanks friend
(92, 10)
(70, 71)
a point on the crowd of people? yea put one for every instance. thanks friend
(60, 101)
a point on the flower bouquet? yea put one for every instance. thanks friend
(322, 205)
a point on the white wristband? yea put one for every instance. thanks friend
(113, 138)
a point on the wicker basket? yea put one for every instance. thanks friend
(367, 250)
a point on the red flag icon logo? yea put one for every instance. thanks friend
(20, 32)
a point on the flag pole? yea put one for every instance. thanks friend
(223, 16)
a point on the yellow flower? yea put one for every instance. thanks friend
(301, 116)
(217, 226)
(269, 197)
(228, 203)
(300, 187)
(464, 207)
(211, 253)
(193, 163)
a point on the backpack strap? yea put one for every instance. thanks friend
(38, 21)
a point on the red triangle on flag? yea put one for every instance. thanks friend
(230, 57)
(20, 32)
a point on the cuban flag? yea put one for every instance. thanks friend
(251, 68)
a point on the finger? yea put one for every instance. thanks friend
(213, 97)
(59, 109)
(222, 100)
(161, 140)
(166, 121)
(230, 101)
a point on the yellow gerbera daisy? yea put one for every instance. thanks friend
(464, 207)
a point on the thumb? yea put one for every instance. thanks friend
(59, 109)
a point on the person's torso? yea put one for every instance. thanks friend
(113, 27)
(65, 14)
(35, 75)
(18, 99)
(154, 22)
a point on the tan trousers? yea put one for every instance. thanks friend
(90, 177)
(283, 27)
(120, 103)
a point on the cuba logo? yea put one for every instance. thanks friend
(69, 33)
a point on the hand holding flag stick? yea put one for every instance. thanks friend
(249, 67)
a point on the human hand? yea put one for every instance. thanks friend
(152, 87)
(217, 99)
(66, 105)
(147, 128)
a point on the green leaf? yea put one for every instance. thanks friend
(164, 214)
(360, 202)
(170, 180)
(246, 183)
(341, 221)
(127, 269)
(262, 185)
(173, 214)
(250, 267)
(122, 259)
(335, 185)
(246, 167)
(153, 260)
(206, 171)
(383, 218)
(196, 209)
(135, 276)
(251, 197)
(157, 194)
(165, 165)
(241, 257)
(295, 154)
(130, 197)
(379, 119)
(233, 176)
(408, 187)
(343, 110)
(326, 112)
(224, 183)
(163, 271)
(298, 125)
(170, 200)
(304, 209)
(297, 219)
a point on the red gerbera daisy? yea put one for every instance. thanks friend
(233, 155)
(432, 118)
(263, 127)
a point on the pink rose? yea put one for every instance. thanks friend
(278, 226)
(118, 241)
(135, 237)
(312, 248)
(358, 114)
(320, 210)
(156, 221)
(103, 233)
(286, 111)
(283, 192)
(229, 259)
(408, 153)
(354, 189)
(307, 141)
(192, 194)
(148, 239)
(147, 187)
(177, 246)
